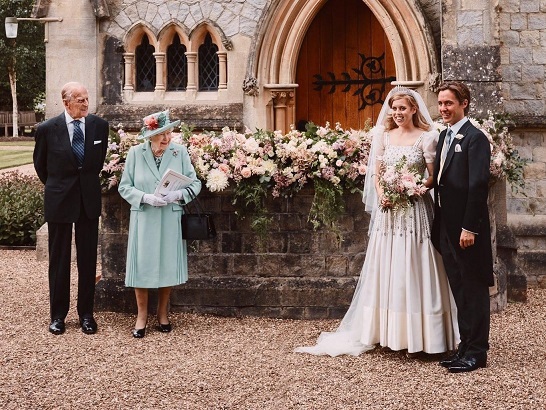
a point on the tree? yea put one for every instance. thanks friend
(23, 77)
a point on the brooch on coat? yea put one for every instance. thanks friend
(175, 153)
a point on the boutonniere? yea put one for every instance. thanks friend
(175, 153)
(459, 136)
(458, 148)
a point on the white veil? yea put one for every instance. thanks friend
(369, 196)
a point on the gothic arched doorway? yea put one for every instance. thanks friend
(345, 66)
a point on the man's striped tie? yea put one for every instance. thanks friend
(78, 142)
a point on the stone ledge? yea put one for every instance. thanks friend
(530, 121)
(527, 225)
(294, 298)
(200, 116)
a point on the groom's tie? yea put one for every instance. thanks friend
(78, 142)
(449, 138)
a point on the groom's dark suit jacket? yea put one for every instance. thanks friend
(66, 186)
(461, 200)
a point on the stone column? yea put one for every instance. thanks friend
(129, 59)
(128, 86)
(222, 61)
(160, 71)
(284, 108)
(191, 88)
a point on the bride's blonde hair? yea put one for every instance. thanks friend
(418, 119)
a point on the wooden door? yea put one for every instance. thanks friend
(345, 67)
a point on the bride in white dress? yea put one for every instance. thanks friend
(402, 300)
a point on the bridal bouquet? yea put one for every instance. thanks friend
(401, 185)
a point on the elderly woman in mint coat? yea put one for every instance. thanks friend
(156, 252)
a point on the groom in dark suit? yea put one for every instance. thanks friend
(68, 157)
(461, 231)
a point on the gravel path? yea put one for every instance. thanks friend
(227, 363)
(27, 169)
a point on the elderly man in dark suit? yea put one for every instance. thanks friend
(68, 157)
(461, 231)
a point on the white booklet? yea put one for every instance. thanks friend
(171, 181)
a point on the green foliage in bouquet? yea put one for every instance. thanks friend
(327, 206)
(21, 208)
(250, 196)
(505, 159)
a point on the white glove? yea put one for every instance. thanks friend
(153, 200)
(173, 196)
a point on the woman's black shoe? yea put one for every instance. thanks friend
(139, 333)
(164, 328)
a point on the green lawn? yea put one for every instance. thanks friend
(14, 158)
(17, 144)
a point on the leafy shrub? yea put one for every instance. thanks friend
(21, 208)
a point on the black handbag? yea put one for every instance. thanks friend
(198, 224)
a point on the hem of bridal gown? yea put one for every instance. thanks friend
(314, 350)
(339, 343)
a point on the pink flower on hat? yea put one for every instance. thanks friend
(151, 123)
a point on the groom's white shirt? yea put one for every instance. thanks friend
(455, 128)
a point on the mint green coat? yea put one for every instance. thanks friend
(156, 252)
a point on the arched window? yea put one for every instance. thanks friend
(177, 66)
(208, 65)
(145, 66)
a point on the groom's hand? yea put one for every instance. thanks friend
(467, 239)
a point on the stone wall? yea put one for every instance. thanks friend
(294, 272)
(522, 32)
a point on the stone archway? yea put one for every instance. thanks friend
(274, 60)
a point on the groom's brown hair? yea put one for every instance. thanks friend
(460, 90)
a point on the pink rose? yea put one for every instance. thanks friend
(224, 168)
(246, 172)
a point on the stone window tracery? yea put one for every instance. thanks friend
(177, 66)
(172, 62)
(209, 66)
(145, 66)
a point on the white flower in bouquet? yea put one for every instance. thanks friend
(217, 180)
(251, 145)
(269, 167)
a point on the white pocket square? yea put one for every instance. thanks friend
(458, 148)
(97, 142)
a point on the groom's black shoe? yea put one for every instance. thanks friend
(57, 326)
(448, 361)
(468, 363)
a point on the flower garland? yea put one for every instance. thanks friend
(261, 163)
(119, 143)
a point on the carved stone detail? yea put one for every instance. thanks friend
(250, 86)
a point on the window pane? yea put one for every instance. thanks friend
(177, 66)
(208, 65)
(145, 66)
